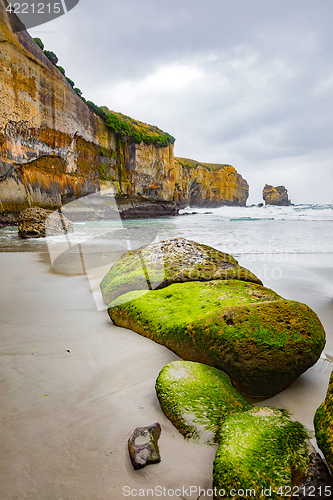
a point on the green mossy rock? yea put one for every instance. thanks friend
(197, 398)
(260, 449)
(172, 261)
(323, 423)
(262, 341)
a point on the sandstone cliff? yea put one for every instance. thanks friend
(275, 195)
(211, 185)
(54, 148)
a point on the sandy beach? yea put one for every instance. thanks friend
(74, 387)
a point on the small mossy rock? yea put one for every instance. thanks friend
(262, 341)
(323, 424)
(38, 222)
(196, 398)
(143, 447)
(160, 264)
(260, 449)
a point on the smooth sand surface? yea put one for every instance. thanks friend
(73, 386)
(66, 416)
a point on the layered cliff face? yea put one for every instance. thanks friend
(54, 149)
(211, 185)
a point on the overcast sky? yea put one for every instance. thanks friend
(244, 82)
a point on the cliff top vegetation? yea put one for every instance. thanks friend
(280, 189)
(138, 131)
(187, 162)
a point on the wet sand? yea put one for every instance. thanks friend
(74, 387)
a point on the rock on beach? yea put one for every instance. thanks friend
(260, 450)
(38, 222)
(323, 423)
(143, 446)
(196, 398)
(177, 260)
(262, 341)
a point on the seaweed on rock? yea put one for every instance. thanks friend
(196, 398)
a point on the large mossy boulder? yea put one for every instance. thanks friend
(262, 341)
(262, 454)
(196, 398)
(323, 423)
(160, 264)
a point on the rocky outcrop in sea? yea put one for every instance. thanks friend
(275, 195)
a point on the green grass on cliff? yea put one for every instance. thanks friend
(136, 130)
(280, 189)
(125, 126)
(187, 162)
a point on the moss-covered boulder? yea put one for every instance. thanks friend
(160, 264)
(262, 341)
(318, 482)
(197, 398)
(262, 454)
(323, 423)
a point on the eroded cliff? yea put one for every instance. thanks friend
(211, 185)
(54, 148)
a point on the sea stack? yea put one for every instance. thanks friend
(275, 195)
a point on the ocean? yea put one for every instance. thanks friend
(297, 229)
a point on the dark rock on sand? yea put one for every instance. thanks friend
(262, 341)
(262, 450)
(323, 423)
(196, 398)
(172, 261)
(143, 447)
(38, 222)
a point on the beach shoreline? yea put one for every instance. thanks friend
(74, 386)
